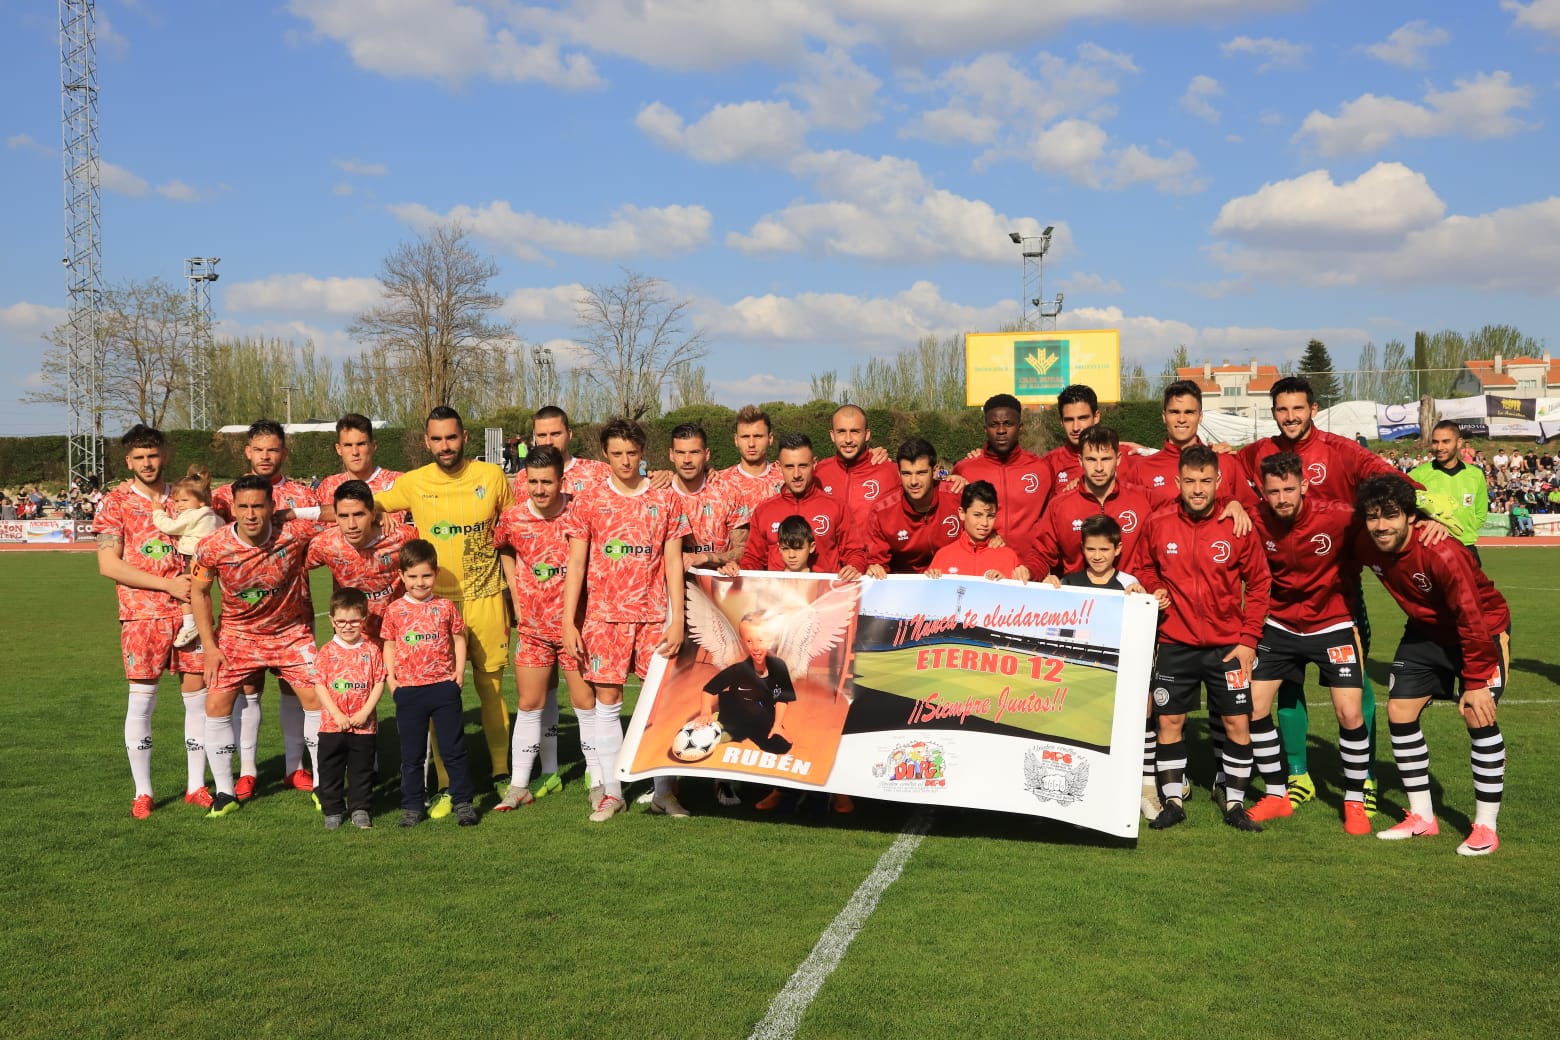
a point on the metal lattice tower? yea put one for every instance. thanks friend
(201, 272)
(1035, 314)
(83, 237)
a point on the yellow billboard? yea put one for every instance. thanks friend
(1036, 366)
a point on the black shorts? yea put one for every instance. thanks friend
(1283, 656)
(1180, 673)
(1425, 668)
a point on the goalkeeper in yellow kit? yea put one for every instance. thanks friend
(455, 504)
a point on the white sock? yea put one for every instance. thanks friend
(138, 735)
(188, 624)
(587, 721)
(549, 744)
(609, 741)
(524, 746)
(292, 734)
(219, 751)
(1420, 802)
(247, 711)
(194, 739)
(1486, 813)
(311, 741)
(663, 785)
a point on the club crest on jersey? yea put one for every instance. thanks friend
(1422, 582)
(1031, 483)
(820, 525)
(1221, 551)
(480, 492)
(870, 489)
(1128, 521)
(156, 549)
(1316, 473)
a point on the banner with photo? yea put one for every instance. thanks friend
(1485, 415)
(960, 692)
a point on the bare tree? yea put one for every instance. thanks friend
(438, 319)
(637, 336)
(148, 331)
(826, 386)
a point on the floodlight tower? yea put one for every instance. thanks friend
(201, 272)
(83, 238)
(1034, 313)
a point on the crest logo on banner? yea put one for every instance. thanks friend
(1055, 774)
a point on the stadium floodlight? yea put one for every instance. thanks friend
(1048, 229)
(1016, 237)
(1033, 314)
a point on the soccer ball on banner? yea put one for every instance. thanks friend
(695, 743)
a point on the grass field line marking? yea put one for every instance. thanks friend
(1382, 707)
(791, 1003)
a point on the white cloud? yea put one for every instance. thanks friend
(1149, 340)
(1543, 15)
(886, 209)
(749, 130)
(654, 231)
(1275, 54)
(759, 388)
(442, 40)
(303, 294)
(554, 305)
(358, 168)
(178, 191)
(1196, 99)
(30, 320)
(1480, 107)
(119, 180)
(1084, 283)
(1515, 250)
(851, 324)
(341, 190)
(27, 143)
(1047, 113)
(1379, 207)
(838, 93)
(994, 91)
(1406, 45)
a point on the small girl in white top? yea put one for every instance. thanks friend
(192, 520)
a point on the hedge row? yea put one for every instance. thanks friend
(25, 460)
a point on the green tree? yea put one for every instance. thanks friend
(1178, 359)
(1316, 365)
(1134, 384)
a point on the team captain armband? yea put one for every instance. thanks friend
(200, 573)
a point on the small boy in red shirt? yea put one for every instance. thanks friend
(349, 679)
(425, 662)
(973, 553)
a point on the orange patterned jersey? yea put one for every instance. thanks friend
(126, 514)
(713, 511)
(379, 480)
(625, 578)
(423, 634)
(578, 476)
(286, 493)
(373, 570)
(350, 673)
(541, 547)
(751, 490)
(265, 588)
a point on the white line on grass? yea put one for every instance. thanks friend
(1381, 705)
(791, 1003)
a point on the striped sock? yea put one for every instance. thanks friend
(1170, 760)
(1354, 750)
(1268, 755)
(1488, 755)
(1150, 746)
(1412, 755)
(1216, 741)
(1237, 771)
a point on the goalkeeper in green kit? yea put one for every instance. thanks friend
(1455, 492)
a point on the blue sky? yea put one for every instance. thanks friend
(825, 179)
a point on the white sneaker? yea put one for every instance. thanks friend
(1150, 803)
(668, 805)
(645, 797)
(187, 634)
(608, 807)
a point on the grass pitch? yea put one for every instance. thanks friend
(538, 924)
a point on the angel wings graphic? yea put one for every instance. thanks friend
(798, 633)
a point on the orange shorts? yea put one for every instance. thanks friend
(289, 655)
(146, 645)
(611, 647)
(533, 651)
